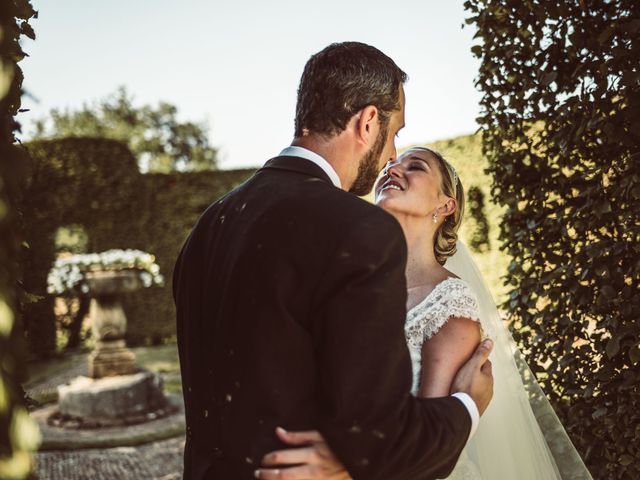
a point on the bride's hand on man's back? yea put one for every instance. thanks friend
(313, 459)
(475, 377)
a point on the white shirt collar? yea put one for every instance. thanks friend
(302, 152)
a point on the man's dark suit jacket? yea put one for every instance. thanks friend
(290, 297)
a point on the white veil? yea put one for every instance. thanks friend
(520, 435)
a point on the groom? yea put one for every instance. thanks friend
(290, 296)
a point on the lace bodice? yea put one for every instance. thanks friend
(450, 298)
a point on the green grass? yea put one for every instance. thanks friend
(162, 359)
(39, 371)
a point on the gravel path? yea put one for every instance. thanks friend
(154, 461)
(160, 460)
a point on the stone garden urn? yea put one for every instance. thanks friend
(108, 321)
(115, 392)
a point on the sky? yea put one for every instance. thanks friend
(236, 64)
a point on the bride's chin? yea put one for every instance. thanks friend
(385, 204)
(382, 197)
(380, 201)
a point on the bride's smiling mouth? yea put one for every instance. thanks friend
(392, 185)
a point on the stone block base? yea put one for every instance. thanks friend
(112, 399)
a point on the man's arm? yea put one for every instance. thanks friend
(313, 459)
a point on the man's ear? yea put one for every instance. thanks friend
(367, 124)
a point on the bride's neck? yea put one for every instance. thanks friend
(421, 259)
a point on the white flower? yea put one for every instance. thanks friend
(67, 273)
(147, 279)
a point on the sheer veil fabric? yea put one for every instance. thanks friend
(520, 435)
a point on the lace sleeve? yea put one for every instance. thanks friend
(450, 298)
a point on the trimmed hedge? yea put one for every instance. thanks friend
(89, 182)
(561, 86)
(95, 183)
(174, 202)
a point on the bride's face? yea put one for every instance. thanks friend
(411, 185)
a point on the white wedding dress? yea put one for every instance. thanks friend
(450, 298)
(509, 443)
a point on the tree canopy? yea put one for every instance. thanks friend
(160, 141)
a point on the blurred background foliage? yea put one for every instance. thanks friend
(87, 195)
(159, 141)
(18, 434)
(561, 131)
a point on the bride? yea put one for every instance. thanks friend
(449, 311)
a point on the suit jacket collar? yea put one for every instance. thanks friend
(298, 165)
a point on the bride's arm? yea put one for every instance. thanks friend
(445, 353)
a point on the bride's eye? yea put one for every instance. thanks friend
(416, 166)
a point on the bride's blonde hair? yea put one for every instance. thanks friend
(444, 245)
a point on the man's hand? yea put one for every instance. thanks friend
(313, 460)
(475, 377)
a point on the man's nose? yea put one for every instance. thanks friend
(394, 154)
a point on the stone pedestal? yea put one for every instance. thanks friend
(111, 356)
(114, 394)
(112, 400)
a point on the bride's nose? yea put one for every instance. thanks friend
(392, 169)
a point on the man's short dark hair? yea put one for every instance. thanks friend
(341, 80)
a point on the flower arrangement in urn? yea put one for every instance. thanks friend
(104, 277)
(69, 273)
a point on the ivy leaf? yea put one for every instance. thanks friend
(549, 78)
(599, 413)
(626, 460)
(28, 30)
(24, 10)
(607, 291)
(634, 354)
(605, 207)
(613, 346)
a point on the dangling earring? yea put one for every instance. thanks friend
(435, 217)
